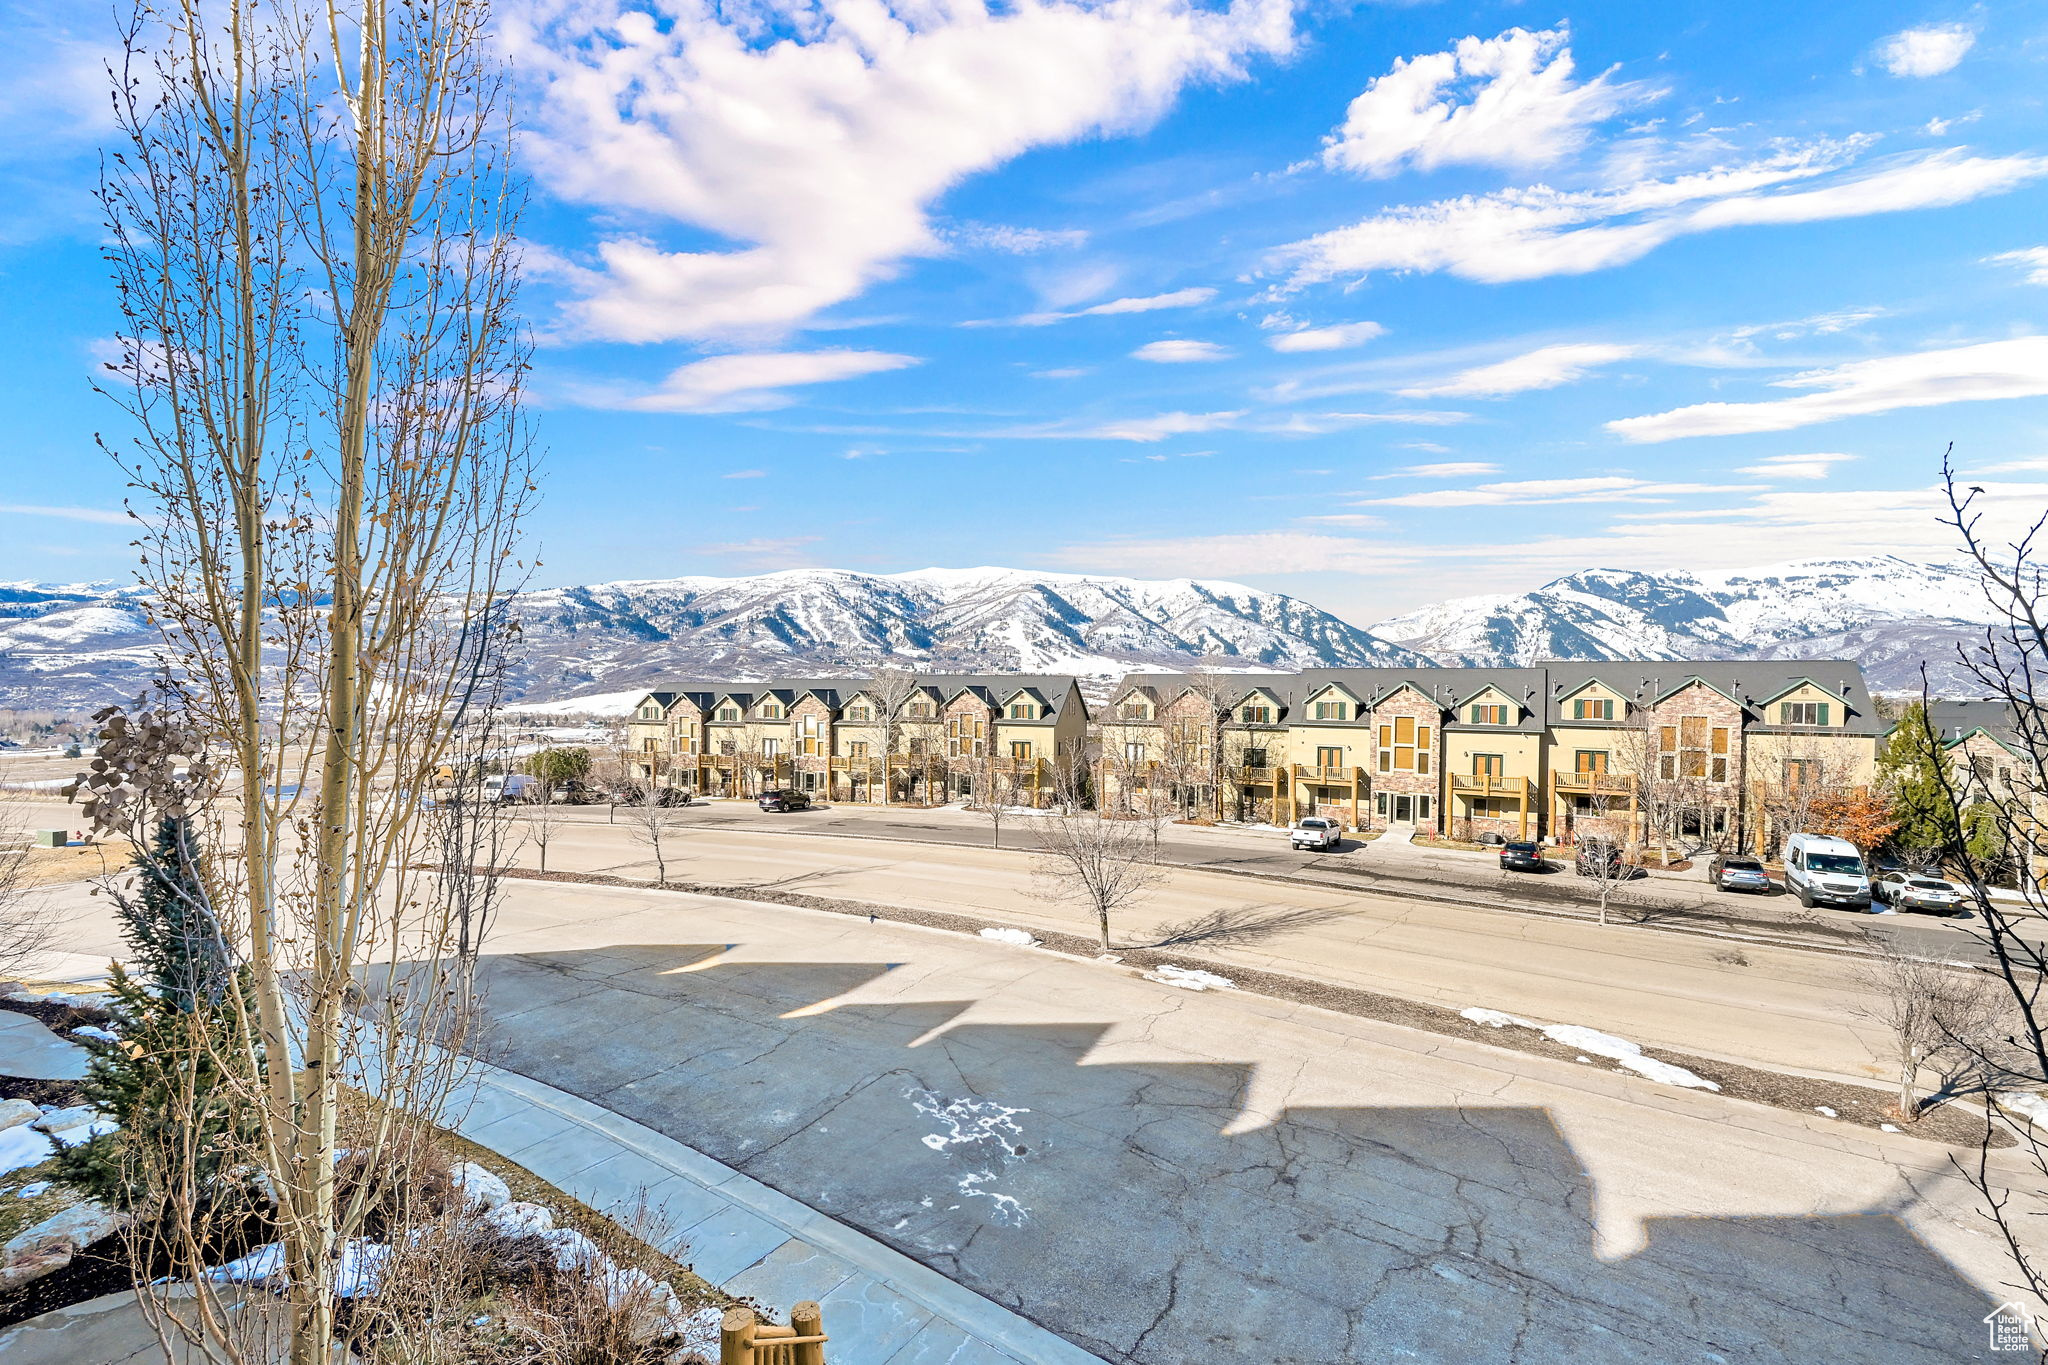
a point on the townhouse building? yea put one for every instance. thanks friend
(1703, 750)
(923, 736)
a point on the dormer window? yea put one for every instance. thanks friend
(651, 711)
(1332, 710)
(1488, 715)
(1134, 710)
(728, 714)
(1803, 713)
(860, 715)
(771, 710)
(1256, 715)
(919, 710)
(1593, 708)
(1023, 710)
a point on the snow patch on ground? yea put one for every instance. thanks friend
(1020, 937)
(22, 1146)
(1579, 1038)
(985, 1137)
(1189, 979)
(1825, 1112)
(95, 1031)
(2025, 1103)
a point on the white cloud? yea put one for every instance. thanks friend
(1145, 430)
(1926, 51)
(2036, 465)
(762, 553)
(1544, 368)
(815, 135)
(753, 381)
(1795, 466)
(1334, 338)
(95, 514)
(1318, 423)
(1176, 352)
(1018, 241)
(1992, 369)
(746, 474)
(1547, 492)
(1356, 521)
(1938, 127)
(1062, 372)
(1453, 469)
(1534, 232)
(2032, 259)
(1149, 303)
(1506, 101)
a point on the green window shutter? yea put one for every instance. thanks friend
(1823, 714)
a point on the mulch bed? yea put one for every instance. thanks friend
(1864, 1105)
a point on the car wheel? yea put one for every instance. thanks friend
(1806, 898)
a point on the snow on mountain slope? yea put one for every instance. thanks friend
(1890, 612)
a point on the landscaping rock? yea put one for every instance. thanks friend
(59, 1119)
(31, 1051)
(572, 1249)
(50, 1245)
(480, 1189)
(15, 1112)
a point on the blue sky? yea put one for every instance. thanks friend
(1374, 304)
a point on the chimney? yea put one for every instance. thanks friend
(1845, 687)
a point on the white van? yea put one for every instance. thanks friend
(1821, 869)
(502, 787)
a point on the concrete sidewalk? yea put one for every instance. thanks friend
(881, 1307)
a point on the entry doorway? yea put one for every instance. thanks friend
(1404, 810)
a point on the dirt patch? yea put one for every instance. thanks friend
(57, 1016)
(54, 866)
(1858, 1104)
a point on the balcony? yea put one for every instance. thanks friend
(1328, 777)
(1593, 784)
(1489, 785)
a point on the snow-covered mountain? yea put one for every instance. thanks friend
(70, 646)
(1890, 613)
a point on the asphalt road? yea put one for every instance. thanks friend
(1169, 1178)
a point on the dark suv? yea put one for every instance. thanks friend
(1521, 856)
(1598, 858)
(784, 798)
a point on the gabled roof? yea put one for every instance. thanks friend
(1749, 683)
(1954, 722)
(666, 700)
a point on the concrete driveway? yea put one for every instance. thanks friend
(1168, 1177)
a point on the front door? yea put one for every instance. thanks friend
(1404, 810)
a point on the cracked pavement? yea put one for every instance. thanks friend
(1223, 1178)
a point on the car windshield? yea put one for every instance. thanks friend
(1834, 862)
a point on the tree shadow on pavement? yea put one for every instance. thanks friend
(1239, 924)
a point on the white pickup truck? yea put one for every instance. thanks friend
(1317, 833)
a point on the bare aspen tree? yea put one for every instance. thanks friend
(1613, 868)
(1100, 865)
(892, 691)
(650, 822)
(1937, 1016)
(310, 220)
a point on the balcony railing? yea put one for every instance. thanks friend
(1490, 785)
(1594, 784)
(1328, 777)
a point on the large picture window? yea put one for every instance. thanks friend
(1695, 747)
(1404, 746)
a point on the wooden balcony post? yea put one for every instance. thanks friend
(736, 1337)
(808, 1320)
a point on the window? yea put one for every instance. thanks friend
(1134, 710)
(807, 736)
(1695, 747)
(1489, 765)
(1980, 768)
(1020, 751)
(648, 746)
(1422, 808)
(1329, 758)
(1330, 710)
(1023, 710)
(771, 710)
(1489, 715)
(1404, 746)
(919, 710)
(860, 714)
(1803, 713)
(964, 735)
(1256, 715)
(1379, 803)
(728, 747)
(1255, 758)
(771, 749)
(728, 713)
(651, 711)
(1593, 708)
(1134, 753)
(857, 749)
(1800, 772)
(1589, 761)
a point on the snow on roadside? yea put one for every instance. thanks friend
(1017, 936)
(1578, 1037)
(2025, 1103)
(1189, 979)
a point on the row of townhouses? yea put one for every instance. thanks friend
(1555, 749)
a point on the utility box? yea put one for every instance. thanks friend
(52, 838)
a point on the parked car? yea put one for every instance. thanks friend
(570, 793)
(502, 788)
(1316, 833)
(1912, 891)
(784, 798)
(1599, 858)
(1823, 870)
(1519, 855)
(1739, 872)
